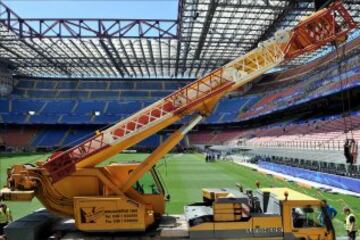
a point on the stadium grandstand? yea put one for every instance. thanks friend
(64, 79)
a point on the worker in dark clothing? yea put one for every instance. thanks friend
(5, 218)
(350, 151)
(350, 224)
(331, 212)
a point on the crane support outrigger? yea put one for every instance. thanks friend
(70, 184)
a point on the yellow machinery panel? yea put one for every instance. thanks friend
(226, 212)
(111, 214)
(267, 221)
(233, 230)
(227, 217)
(223, 230)
(9, 195)
(74, 185)
(213, 194)
(267, 226)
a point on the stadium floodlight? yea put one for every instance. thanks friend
(31, 113)
(96, 113)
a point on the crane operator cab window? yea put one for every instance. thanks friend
(148, 184)
(307, 217)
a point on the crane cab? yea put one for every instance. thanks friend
(303, 216)
(269, 213)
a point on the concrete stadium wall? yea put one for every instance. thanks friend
(350, 184)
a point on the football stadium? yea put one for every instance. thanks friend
(179, 119)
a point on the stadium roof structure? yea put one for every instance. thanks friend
(205, 35)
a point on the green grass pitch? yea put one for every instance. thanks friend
(185, 174)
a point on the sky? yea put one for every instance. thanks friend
(143, 9)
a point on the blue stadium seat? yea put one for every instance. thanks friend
(58, 107)
(25, 105)
(76, 136)
(122, 85)
(4, 105)
(13, 118)
(146, 103)
(230, 105)
(67, 85)
(229, 117)
(40, 93)
(107, 119)
(93, 85)
(19, 92)
(25, 84)
(150, 142)
(149, 85)
(253, 100)
(75, 94)
(174, 85)
(85, 107)
(160, 94)
(76, 119)
(214, 118)
(105, 94)
(123, 107)
(134, 94)
(49, 138)
(44, 119)
(45, 84)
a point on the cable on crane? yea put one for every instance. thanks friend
(350, 145)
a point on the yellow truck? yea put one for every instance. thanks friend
(267, 213)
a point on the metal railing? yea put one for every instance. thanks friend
(336, 145)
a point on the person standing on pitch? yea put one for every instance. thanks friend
(331, 212)
(5, 218)
(350, 224)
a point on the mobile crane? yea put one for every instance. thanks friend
(112, 198)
